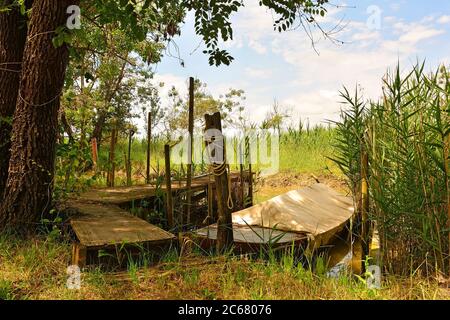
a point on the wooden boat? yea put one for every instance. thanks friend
(316, 213)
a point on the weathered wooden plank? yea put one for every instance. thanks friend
(253, 235)
(79, 253)
(125, 194)
(101, 225)
(316, 210)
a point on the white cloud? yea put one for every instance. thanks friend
(309, 83)
(257, 46)
(260, 73)
(419, 33)
(363, 61)
(444, 20)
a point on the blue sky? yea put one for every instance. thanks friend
(269, 65)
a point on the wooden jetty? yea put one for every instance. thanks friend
(127, 194)
(101, 222)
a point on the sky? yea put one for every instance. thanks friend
(305, 82)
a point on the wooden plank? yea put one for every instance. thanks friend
(126, 194)
(101, 225)
(253, 235)
(79, 254)
(316, 210)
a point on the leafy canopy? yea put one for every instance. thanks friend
(140, 18)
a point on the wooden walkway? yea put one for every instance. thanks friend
(98, 222)
(99, 226)
(122, 195)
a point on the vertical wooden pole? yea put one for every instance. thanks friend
(190, 150)
(149, 138)
(365, 221)
(241, 172)
(211, 202)
(128, 161)
(79, 255)
(94, 153)
(250, 173)
(112, 164)
(224, 222)
(169, 200)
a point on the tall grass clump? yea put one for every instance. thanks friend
(304, 150)
(406, 137)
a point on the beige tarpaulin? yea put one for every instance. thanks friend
(316, 210)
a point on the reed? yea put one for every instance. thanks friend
(406, 137)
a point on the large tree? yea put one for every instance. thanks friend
(31, 166)
(13, 32)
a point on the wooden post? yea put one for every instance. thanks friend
(125, 158)
(169, 200)
(112, 165)
(250, 173)
(365, 221)
(128, 161)
(241, 172)
(79, 253)
(94, 149)
(250, 186)
(211, 216)
(149, 137)
(224, 222)
(190, 150)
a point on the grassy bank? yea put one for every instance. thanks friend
(36, 269)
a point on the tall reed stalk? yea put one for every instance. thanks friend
(407, 142)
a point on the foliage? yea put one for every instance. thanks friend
(36, 269)
(230, 105)
(407, 140)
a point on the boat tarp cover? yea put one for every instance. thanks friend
(317, 210)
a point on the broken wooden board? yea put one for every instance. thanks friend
(252, 239)
(317, 211)
(255, 235)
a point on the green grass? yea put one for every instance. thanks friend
(307, 151)
(36, 269)
(301, 151)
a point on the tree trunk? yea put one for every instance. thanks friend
(13, 32)
(224, 221)
(98, 128)
(28, 191)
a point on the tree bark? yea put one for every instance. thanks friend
(224, 221)
(13, 32)
(28, 193)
